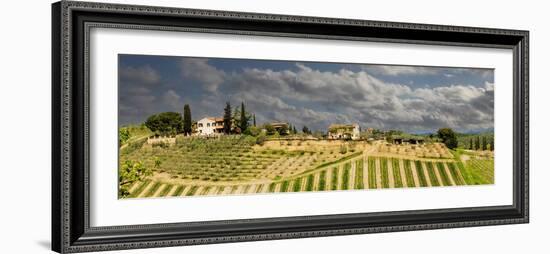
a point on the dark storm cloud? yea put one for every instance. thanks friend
(302, 95)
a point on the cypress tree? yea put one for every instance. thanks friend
(484, 143)
(471, 144)
(492, 144)
(244, 119)
(254, 119)
(227, 119)
(477, 143)
(187, 129)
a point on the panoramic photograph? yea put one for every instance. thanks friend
(190, 126)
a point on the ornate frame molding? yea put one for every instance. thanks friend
(71, 22)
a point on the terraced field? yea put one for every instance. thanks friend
(237, 165)
(354, 174)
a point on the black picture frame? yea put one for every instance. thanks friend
(71, 22)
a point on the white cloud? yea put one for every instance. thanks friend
(346, 96)
(198, 69)
(394, 70)
(305, 96)
(447, 75)
(172, 99)
(141, 75)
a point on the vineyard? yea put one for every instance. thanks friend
(237, 165)
(354, 174)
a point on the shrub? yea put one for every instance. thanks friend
(123, 136)
(260, 140)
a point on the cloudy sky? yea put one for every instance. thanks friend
(409, 98)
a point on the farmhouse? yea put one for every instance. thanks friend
(344, 131)
(406, 141)
(278, 126)
(210, 126)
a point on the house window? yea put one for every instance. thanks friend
(213, 124)
(200, 124)
(208, 125)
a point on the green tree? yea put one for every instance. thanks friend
(244, 118)
(123, 136)
(166, 123)
(448, 137)
(254, 119)
(252, 131)
(158, 162)
(269, 129)
(492, 144)
(477, 144)
(241, 118)
(294, 130)
(130, 172)
(306, 130)
(227, 118)
(471, 144)
(283, 130)
(187, 129)
(484, 143)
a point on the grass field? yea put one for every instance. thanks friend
(237, 165)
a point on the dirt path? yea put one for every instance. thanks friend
(316, 178)
(436, 170)
(134, 186)
(146, 189)
(328, 183)
(378, 171)
(239, 190)
(390, 173)
(403, 174)
(415, 174)
(220, 190)
(365, 171)
(450, 176)
(264, 188)
(278, 187)
(290, 186)
(132, 139)
(340, 177)
(351, 181)
(172, 191)
(304, 183)
(199, 191)
(459, 174)
(185, 190)
(426, 174)
(227, 190)
(212, 191)
(159, 190)
(252, 189)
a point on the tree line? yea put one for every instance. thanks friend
(235, 121)
(481, 143)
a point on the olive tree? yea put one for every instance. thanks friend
(448, 137)
(166, 123)
(128, 173)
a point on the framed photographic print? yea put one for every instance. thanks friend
(181, 126)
